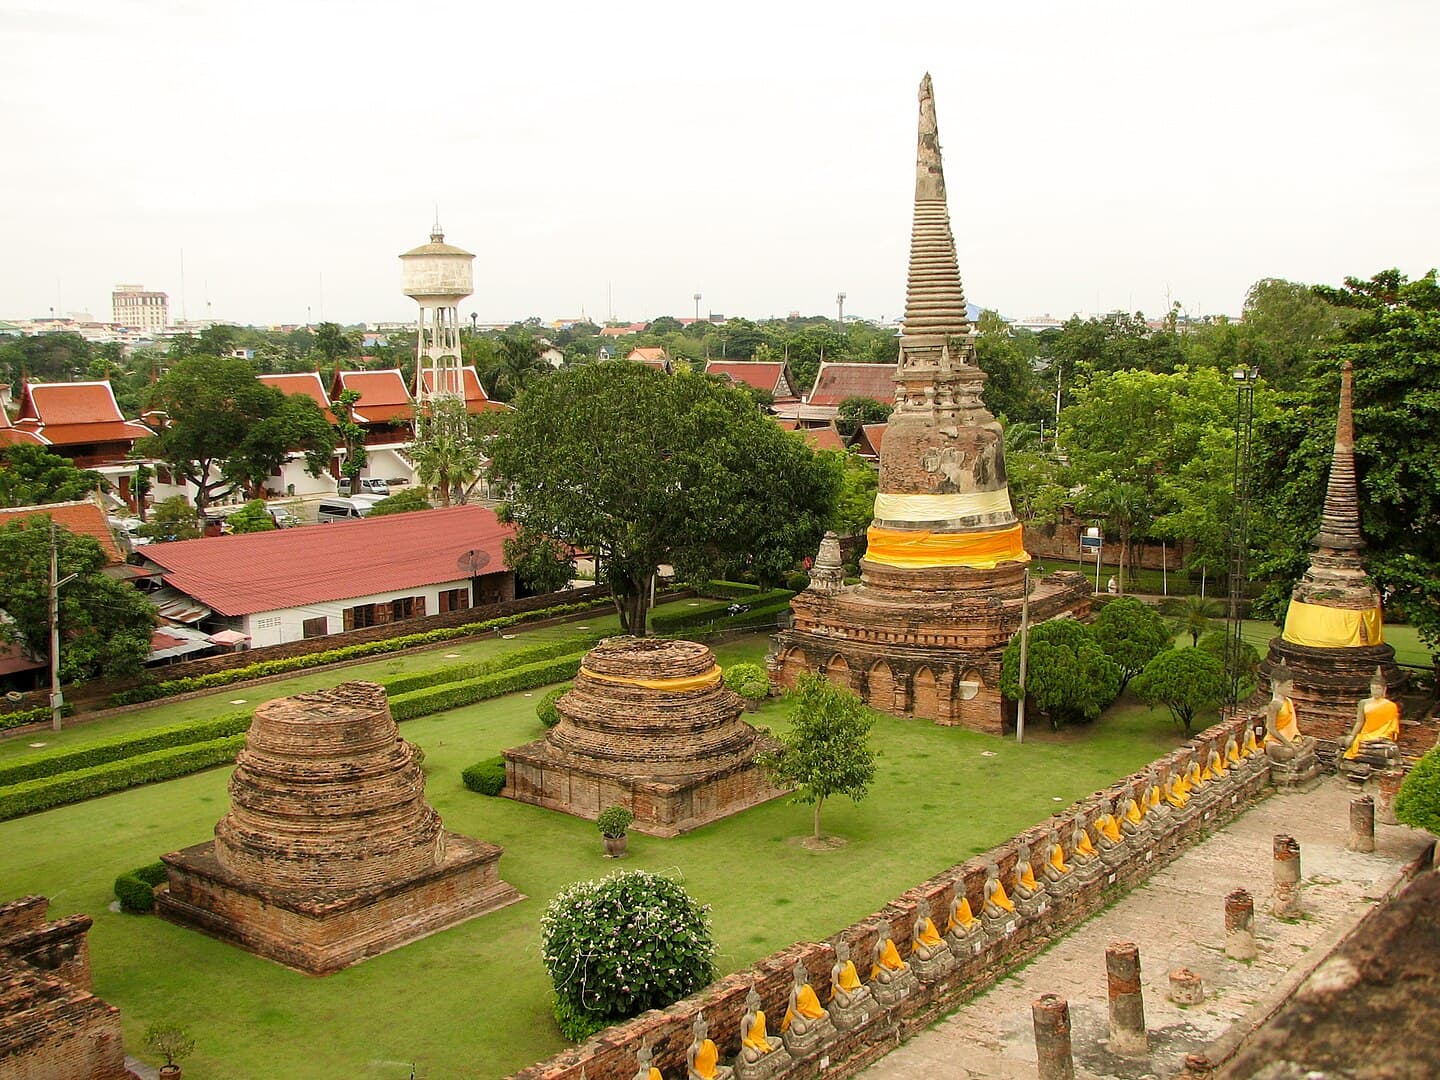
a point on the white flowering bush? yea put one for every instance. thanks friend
(620, 945)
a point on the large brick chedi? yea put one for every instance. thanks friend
(1334, 636)
(943, 577)
(330, 853)
(648, 725)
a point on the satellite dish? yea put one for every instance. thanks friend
(473, 561)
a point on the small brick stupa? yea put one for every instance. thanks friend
(1334, 636)
(649, 725)
(943, 577)
(330, 853)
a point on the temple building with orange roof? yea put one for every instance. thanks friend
(386, 412)
(944, 575)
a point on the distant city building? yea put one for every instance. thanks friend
(134, 307)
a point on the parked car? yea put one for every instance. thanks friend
(283, 518)
(369, 485)
(348, 509)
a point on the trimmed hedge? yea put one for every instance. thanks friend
(728, 590)
(38, 715)
(547, 712)
(404, 684)
(468, 691)
(264, 668)
(487, 777)
(99, 753)
(46, 791)
(667, 622)
(135, 889)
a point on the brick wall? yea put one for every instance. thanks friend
(610, 1055)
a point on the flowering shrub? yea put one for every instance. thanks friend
(618, 946)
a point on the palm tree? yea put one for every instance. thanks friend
(1195, 615)
(445, 454)
(517, 363)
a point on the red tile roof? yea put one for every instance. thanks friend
(306, 383)
(268, 571)
(476, 400)
(825, 438)
(383, 397)
(66, 414)
(869, 439)
(10, 435)
(83, 518)
(836, 382)
(771, 377)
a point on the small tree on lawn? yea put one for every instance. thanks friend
(170, 1041)
(252, 517)
(1196, 612)
(402, 502)
(826, 751)
(1186, 681)
(1068, 677)
(1132, 633)
(1418, 803)
(1242, 667)
(618, 946)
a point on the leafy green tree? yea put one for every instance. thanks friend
(402, 502)
(1132, 633)
(826, 751)
(31, 475)
(446, 452)
(1240, 670)
(1418, 802)
(61, 357)
(296, 426)
(1186, 681)
(172, 519)
(104, 624)
(1013, 389)
(618, 946)
(352, 437)
(516, 364)
(855, 502)
(1287, 323)
(251, 518)
(644, 468)
(334, 343)
(1068, 677)
(1196, 614)
(541, 564)
(855, 412)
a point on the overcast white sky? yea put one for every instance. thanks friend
(1097, 154)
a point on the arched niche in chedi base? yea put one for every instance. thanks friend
(942, 579)
(881, 685)
(837, 670)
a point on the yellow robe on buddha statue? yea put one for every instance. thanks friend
(756, 1038)
(1085, 846)
(1382, 721)
(890, 959)
(963, 918)
(1109, 827)
(849, 980)
(706, 1059)
(1000, 900)
(929, 936)
(808, 1005)
(654, 1074)
(1027, 878)
(1233, 757)
(1285, 722)
(1134, 814)
(1057, 858)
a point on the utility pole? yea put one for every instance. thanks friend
(1024, 656)
(57, 700)
(840, 306)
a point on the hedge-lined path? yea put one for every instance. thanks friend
(472, 1001)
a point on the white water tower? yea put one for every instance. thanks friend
(438, 276)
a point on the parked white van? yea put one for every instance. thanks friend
(369, 485)
(348, 509)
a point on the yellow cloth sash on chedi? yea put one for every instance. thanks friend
(685, 682)
(914, 549)
(1322, 627)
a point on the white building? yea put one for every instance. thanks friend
(133, 306)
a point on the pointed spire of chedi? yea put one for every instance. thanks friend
(1340, 522)
(1335, 604)
(944, 502)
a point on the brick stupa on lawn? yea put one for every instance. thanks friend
(330, 853)
(942, 580)
(648, 725)
(1334, 636)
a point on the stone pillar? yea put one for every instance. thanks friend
(1285, 899)
(1186, 987)
(1362, 824)
(1390, 781)
(1051, 1015)
(1240, 926)
(1127, 1007)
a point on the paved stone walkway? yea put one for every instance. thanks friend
(1177, 919)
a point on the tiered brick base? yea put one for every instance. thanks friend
(320, 932)
(927, 646)
(650, 726)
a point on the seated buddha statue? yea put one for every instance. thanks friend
(1282, 727)
(646, 1071)
(1026, 887)
(702, 1057)
(1175, 791)
(1107, 830)
(845, 984)
(962, 921)
(1232, 753)
(1132, 817)
(887, 963)
(997, 905)
(1082, 848)
(804, 1009)
(1377, 720)
(1251, 746)
(1055, 868)
(925, 941)
(754, 1041)
(1217, 764)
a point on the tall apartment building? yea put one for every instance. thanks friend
(134, 307)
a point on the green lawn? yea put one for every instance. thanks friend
(472, 1001)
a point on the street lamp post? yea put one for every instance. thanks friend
(57, 699)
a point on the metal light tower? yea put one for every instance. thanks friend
(1245, 378)
(437, 276)
(697, 307)
(840, 306)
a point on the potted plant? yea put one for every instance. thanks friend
(172, 1042)
(614, 824)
